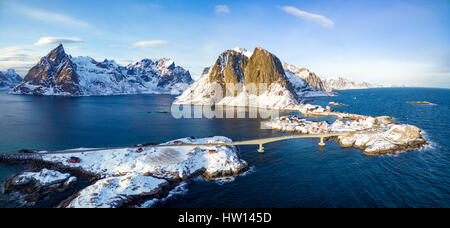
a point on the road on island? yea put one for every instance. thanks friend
(259, 142)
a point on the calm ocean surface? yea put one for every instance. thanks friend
(295, 173)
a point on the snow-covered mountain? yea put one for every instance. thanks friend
(339, 83)
(9, 79)
(305, 82)
(61, 74)
(282, 89)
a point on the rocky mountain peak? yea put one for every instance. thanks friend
(264, 67)
(233, 66)
(299, 71)
(243, 51)
(11, 72)
(229, 68)
(166, 63)
(57, 55)
(310, 77)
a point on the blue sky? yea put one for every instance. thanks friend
(400, 42)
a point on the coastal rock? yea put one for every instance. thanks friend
(375, 135)
(378, 135)
(336, 103)
(60, 74)
(117, 192)
(35, 186)
(9, 79)
(420, 102)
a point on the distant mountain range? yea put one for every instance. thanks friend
(285, 86)
(63, 75)
(339, 83)
(9, 79)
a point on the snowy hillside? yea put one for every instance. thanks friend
(305, 83)
(61, 74)
(9, 79)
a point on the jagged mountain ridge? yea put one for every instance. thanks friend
(61, 74)
(9, 79)
(234, 66)
(339, 83)
(305, 82)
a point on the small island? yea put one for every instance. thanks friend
(336, 103)
(420, 102)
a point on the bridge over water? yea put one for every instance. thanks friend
(259, 142)
(263, 141)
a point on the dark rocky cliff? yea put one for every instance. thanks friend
(56, 71)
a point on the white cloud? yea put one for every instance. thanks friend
(18, 58)
(56, 18)
(308, 16)
(151, 43)
(222, 9)
(56, 40)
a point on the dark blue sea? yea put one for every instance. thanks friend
(295, 173)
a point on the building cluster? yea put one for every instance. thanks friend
(293, 123)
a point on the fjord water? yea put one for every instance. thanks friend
(294, 173)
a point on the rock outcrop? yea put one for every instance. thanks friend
(387, 140)
(264, 67)
(118, 192)
(310, 77)
(375, 135)
(54, 74)
(9, 79)
(258, 81)
(229, 68)
(305, 82)
(61, 74)
(32, 187)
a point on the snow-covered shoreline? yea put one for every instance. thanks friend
(125, 177)
(375, 135)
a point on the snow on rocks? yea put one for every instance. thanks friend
(129, 177)
(59, 74)
(390, 139)
(199, 93)
(292, 123)
(34, 186)
(243, 51)
(114, 192)
(9, 79)
(44, 177)
(183, 160)
(375, 135)
(336, 103)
